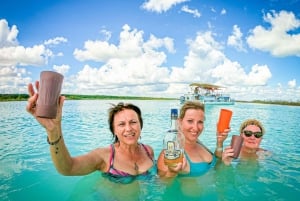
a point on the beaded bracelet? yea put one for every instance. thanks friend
(55, 142)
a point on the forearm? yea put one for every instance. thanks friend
(219, 149)
(59, 152)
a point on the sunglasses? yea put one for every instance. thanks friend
(250, 133)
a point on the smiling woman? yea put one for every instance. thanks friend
(125, 158)
(252, 132)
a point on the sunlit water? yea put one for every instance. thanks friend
(27, 172)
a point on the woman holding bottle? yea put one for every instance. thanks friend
(198, 159)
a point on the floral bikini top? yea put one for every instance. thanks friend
(119, 175)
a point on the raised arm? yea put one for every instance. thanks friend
(64, 163)
(221, 137)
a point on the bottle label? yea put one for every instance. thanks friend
(171, 153)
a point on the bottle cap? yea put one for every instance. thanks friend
(174, 112)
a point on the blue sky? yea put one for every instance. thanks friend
(153, 47)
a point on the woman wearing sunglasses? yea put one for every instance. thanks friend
(252, 132)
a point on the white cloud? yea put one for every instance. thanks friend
(235, 40)
(8, 37)
(12, 54)
(292, 83)
(223, 11)
(160, 6)
(19, 55)
(106, 34)
(62, 69)
(194, 12)
(133, 64)
(13, 80)
(131, 46)
(206, 62)
(56, 41)
(277, 39)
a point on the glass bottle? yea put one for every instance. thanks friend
(173, 142)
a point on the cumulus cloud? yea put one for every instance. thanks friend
(12, 54)
(194, 12)
(278, 39)
(160, 6)
(56, 41)
(235, 40)
(8, 36)
(223, 11)
(12, 79)
(206, 62)
(292, 83)
(133, 63)
(106, 34)
(62, 69)
(131, 46)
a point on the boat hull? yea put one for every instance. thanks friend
(208, 100)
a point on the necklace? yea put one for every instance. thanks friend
(136, 167)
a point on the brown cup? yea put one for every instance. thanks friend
(49, 92)
(224, 120)
(236, 145)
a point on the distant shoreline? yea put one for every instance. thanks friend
(24, 97)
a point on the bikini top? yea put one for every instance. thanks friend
(199, 168)
(119, 175)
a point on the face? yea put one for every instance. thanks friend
(127, 126)
(251, 142)
(192, 124)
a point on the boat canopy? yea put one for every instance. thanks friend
(206, 86)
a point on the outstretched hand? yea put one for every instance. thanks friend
(49, 124)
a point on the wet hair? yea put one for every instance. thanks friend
(118, 108)
(252, 122)
(196, 105)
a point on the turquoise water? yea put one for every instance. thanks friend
(27, 172)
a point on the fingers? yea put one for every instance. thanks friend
(227, 153)
(31, 104)
(30, 89)
(175, 168)
(37, 85)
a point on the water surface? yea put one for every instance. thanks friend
(27, 172)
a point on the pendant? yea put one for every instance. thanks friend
(136, 167)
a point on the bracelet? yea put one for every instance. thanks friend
(55, 142)
(219, 149)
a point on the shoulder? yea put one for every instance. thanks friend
(149, 149)
(101, 156)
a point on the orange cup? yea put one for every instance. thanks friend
(224, 120)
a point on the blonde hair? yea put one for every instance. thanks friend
(252, 122)
(196, 105)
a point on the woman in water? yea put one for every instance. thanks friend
(252, 132)
(125, 158)
(198, 159)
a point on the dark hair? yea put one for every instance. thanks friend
(190, 105)
(116, 109)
